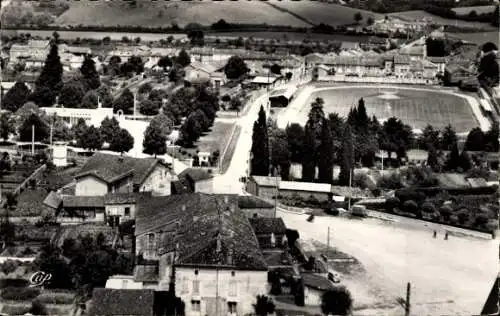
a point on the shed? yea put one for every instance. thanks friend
(282, 98)
(263, 186)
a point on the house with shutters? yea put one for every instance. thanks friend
(107, 173)
(206, 245)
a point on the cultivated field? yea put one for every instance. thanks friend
(413, 107)
(419, 14)
(479, 9)
(161, 13)
(321, 12)
(477, 38)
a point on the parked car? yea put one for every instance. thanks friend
(359, 210)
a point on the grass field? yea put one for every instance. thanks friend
(322, 12)
(419, 14)
(477, 38)
(162, 13)
(479, 9)
(413, 107)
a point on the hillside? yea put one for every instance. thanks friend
(161, 13)
(419, 14)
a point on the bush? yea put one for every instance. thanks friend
(428, 207)
(445, 211)
(19, 293)
(480, 220)
(391, 182)
(56, 298)
(409, 194)
(391, 203)
(10, 283)
(37, 308)
(463, 216)
(410, 206)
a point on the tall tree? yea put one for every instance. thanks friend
(183, 58)
(122, 141)
(124, 102)
(453, 161)
(264, 306)
(347, 159)
(235, 68)
(449, 138)
(71, 94)
(91, 139)
(295, 139)
(326, 152)
(432, 159)
(280, 154)
(50, 79)
(155, 142)
(79, 129)
(15, 97)
(429, 138)
(6, 126)
(90, 73)
(260, 146)
(33, 121)
(475, 140)
(109, 128)
(396, 137)
(361, 120)
(337, 301)
(491, 138)
(164, 122)
(309, 155)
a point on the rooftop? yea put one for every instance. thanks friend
(212, 230)
(252, 202)
(266, 181)
(195, 174)
(146, 273)
(265, 225)
(125, 197)
(83, 201)
(52, 200)
(112, 302)
(111, 168)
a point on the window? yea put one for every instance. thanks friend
(151, 240)
(127, 211)
(231, 307)
(184, 285)
(232, 288)
(196, 287)
(124, 284)
(196, 306)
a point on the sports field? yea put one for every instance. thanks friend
(414, 107)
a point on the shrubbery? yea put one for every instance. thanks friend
(19, 293)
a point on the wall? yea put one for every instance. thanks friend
(124, 185)
(312, 297)
(249, 284)
(204, 186)
(119, 209)
(142, 240)
(322, 196)
(65, 220)
(90, 186)
(158, 181)
(123, 282)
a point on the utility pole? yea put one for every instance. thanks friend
(33, 140)
(328, 243)
(408, 305)
(350, 183)
(276, 191)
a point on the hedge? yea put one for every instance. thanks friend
(11, 283)
(19, 293)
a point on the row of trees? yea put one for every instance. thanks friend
(93, 138)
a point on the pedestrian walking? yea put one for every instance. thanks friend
(435, 234)
(446, 236)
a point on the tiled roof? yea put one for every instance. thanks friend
(146, 273)
(113, 167)
(316, 282)
(402, 59)
(125, 197)
(181, 186)
(212, 229)
(207, 67)
(195, 174)
(264, 225)
(82, 201)
(112, 302)
(52, 200)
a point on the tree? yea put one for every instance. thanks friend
(124, 102)
(280, 155)
(50, 80)
(72, 94)
(109, 128)
(475, 140)
(453, 161)
(114, 65)
(41, 129)
(38, 308)
(491, 138)
(449, 138)
(15, 97)
(370, 20)
(60, 129)
(429, 138)
(433, 160)
(264, 306)
(196, 123)
(155, 142)
(91, 139)
(488, 68)
(358, 17)
(396, 137)
(288, 75)
(260, 149)
(136, 63)
(347, 160)
(165, 62)
(337, 301)
(183, 58)
(164, 123)
(79, 129)
(196, 36)
(235, 67)
(295, 139)
(149, 107)
(326, 152)
(464, 161)
(121, 141)
(276, 69)
(90, 74)
(6, 126)
(145, 88)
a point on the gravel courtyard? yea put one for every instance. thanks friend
(448, 277)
